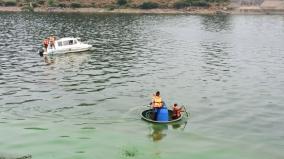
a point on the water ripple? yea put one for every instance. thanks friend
(228, 69)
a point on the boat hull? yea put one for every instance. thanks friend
(68, 50)
(147, 115)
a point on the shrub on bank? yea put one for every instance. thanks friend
(191, 3)
(87, 5)
(111, 7)
(121, 2)
(75, 5)
(93, 5)
(180, 5)
(200, 3)
(41, 2)
(27, 8)
(149, 5)
(34, 5)
(10, 3)
(51, 3)
(62, 5)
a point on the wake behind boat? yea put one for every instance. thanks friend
(64, 45)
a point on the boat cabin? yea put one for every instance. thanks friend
(67, 41)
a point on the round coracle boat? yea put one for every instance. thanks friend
(149, 115)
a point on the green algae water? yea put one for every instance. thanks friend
(227, 70)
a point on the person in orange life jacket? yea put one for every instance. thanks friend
(156, 103)
(176, 111)
(45, 43)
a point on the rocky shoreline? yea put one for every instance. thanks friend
(199, 11)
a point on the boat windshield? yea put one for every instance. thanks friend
(65, 43)
(60, 43)
(68, 42)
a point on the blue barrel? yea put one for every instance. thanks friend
(162, 114)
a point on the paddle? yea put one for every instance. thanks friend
(185, 111)
(148, 106)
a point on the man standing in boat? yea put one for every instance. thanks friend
(52, 39)
(157, 103)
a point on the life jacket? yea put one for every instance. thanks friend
(45, 42)
(176, 111)
(157, 101)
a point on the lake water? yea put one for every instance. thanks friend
(227, 70)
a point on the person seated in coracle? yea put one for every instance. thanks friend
(177, 111)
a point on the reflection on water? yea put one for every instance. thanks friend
(216, 23)
(48, 59)
(159, 131)
(74, 59)
(179, 125)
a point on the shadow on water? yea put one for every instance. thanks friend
(159, 131)
(70, 58)
(48, 59)
(8, 156)
(216, 23)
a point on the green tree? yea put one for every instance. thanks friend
(121, 2)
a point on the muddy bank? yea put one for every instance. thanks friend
(126, 10)
(201, 11)
(10, 9)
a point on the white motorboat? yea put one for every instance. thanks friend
(67, 45)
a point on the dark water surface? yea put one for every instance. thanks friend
(227, 70)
